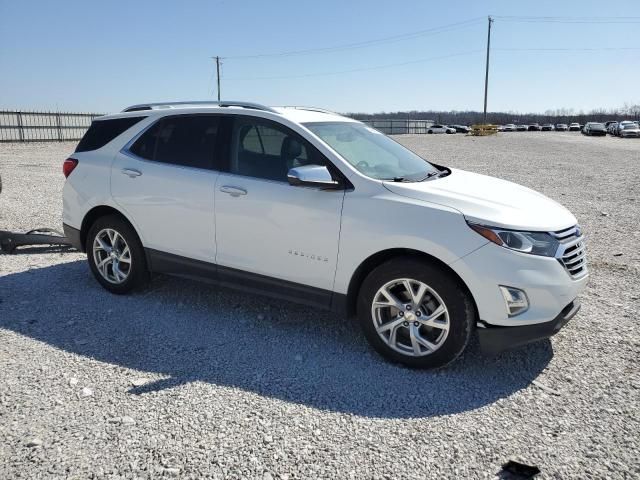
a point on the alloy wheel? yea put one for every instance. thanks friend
(112, 256)
(410, 317)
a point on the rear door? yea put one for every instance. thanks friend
(164, 181)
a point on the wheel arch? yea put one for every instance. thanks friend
(94, 214)
(377, 259)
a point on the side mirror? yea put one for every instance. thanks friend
(311, 176)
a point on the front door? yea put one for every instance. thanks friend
(267, 227)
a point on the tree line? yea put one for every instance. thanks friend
(629, 111)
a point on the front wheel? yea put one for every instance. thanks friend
(415, 313)
(116, 256)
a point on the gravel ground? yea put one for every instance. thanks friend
(189, 381)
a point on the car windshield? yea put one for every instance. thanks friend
(597, 125)
(371, 152)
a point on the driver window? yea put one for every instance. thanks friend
(265, 150)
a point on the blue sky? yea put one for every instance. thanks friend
(101, 56)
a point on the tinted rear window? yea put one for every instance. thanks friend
(102, 132)
(186, 140)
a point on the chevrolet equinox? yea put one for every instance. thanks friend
(306, 205)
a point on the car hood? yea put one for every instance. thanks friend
(489, 201)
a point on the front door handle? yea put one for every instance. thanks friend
(233, 191)
(131, 172)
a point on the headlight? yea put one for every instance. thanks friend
(535, 243)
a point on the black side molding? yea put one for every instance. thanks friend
(170, 264)
(494, 340)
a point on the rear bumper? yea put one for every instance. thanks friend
(494, 340)
(73, 235)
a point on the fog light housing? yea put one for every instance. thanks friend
(515, 300)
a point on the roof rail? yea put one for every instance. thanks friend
(312, 109)
(228, 103)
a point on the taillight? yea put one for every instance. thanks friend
(68, 166)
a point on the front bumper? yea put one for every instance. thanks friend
(546, 282)
(494, 340)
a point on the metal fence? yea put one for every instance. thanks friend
(21, 126)
(43, 126)
(399, 126)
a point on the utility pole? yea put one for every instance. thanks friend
(218, 74)
(486, 75)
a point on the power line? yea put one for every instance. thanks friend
(578, 49)
(592, 20)
(367, 43)
(389, 65)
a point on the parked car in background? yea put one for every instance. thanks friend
(522, 128)
(547, 127)
(630, 130)
(440, 129)
(534, 127)
(574, 127)
(500, 128)
(594, 128)
(612, 127)
(562, 127)
(510, 127)
(621, 125)
(460, 128)
(314, 207)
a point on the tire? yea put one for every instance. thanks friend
(137, 273)
(430, 132)
(460, 313)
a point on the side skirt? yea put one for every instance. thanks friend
(176, 265)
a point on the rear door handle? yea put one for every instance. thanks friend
(233, 191)
(131, 172)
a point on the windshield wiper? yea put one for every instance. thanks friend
(438, 174)
(404, 179)
(429, 175)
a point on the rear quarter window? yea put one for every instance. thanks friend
(102, 132)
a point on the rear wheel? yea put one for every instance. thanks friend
(116, 256)
(415, 313)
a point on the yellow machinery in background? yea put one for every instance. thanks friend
(482, 130)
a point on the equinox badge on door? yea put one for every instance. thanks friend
(309, 256)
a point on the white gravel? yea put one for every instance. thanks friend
(189, 381)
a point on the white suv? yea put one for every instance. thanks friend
(309, 206)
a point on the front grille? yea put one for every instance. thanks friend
(571, 254)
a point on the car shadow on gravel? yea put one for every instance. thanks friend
(180, 331)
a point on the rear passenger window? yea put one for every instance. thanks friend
(266, 150)
(186, 140)
(102, 132)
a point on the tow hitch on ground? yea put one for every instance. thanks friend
(39, 236)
